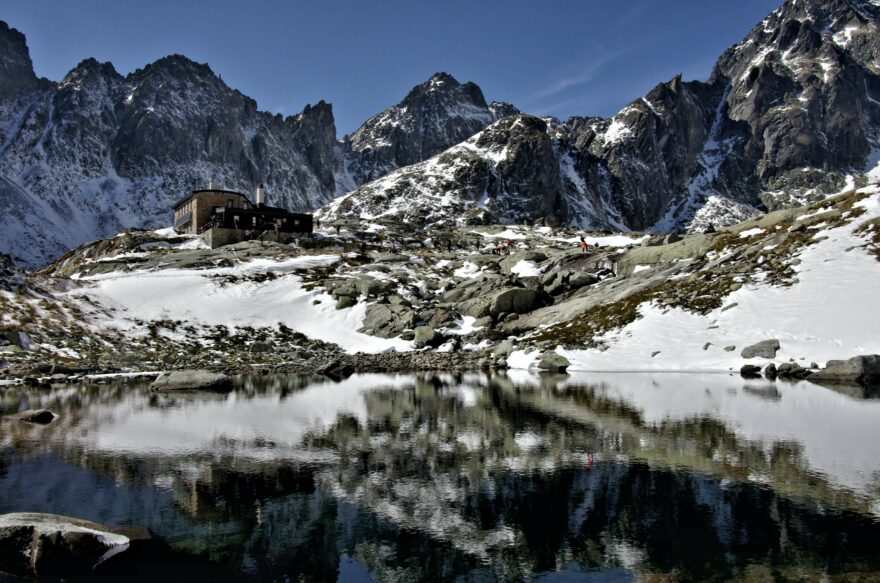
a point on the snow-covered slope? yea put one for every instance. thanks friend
(824, 306)
(806, 277)
(229, 297)
(516, 169)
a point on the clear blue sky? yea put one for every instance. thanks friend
(562, 58)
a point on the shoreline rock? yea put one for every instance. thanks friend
(192, 380)
(864, 370)
(35, 544)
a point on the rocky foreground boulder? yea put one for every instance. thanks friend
(34, 544)
(192, 380)
(864, 370)
(553, 362)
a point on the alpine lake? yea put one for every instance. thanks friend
(461, 477)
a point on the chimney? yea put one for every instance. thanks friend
(261, 197)
(210, 185)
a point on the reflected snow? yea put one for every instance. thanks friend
(481, 477)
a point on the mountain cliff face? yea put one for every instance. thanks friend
(500, 174)
(99, 152)
(790, 110)
(788, 114)
(515, 170)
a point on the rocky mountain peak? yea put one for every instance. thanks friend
(16, 68)
(434, 116)
(320, 110)
(440, 80)
(177, 64)
(501, 109)
(314, 130)
(446, 92)
(88, 71)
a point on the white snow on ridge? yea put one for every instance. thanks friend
(750, 232)
(605, 240)
(616, 132)
(200, 298)
(526, 269)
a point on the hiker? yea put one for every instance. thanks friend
(363, 248)
(583, 244)
(337, 230)
(449, 246)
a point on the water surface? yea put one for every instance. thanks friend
(614, 477)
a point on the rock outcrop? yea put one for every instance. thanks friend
(864, 370)
(763, 349)
(48, 545)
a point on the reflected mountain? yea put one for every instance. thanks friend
(467, 477)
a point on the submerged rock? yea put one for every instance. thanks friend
(34, 544)
(38, 416)
(192, 380)
(750, 371)
(337, 369)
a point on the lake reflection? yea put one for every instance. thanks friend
(608, 477)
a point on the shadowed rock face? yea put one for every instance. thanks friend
(16, 70)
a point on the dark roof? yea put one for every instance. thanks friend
(195, 192)
(263, 210)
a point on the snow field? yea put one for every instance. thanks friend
(200, 297)
(831, 312)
